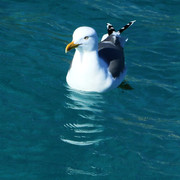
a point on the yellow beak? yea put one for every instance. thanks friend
(71, 46)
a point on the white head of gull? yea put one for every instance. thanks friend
(96, 67)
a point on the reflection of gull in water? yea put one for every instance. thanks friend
(85, 101)
(85, 127)
(81, 143)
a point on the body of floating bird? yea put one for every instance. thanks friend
(97, 67)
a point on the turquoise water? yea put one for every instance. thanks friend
(48, 131)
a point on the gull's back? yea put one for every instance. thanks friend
(111, 51)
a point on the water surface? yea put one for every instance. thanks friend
(48, 131)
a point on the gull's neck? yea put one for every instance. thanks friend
(86, 59)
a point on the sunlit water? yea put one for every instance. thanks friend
(49, 131)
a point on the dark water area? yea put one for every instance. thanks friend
(48, 131)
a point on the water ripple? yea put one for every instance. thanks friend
(87, 127)
(73, 171)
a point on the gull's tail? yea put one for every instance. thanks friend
(110, 28)
(126, 26)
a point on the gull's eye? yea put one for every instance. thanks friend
(86, 37)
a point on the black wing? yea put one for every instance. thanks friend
(111, 51)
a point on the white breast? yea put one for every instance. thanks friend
(88, 73)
